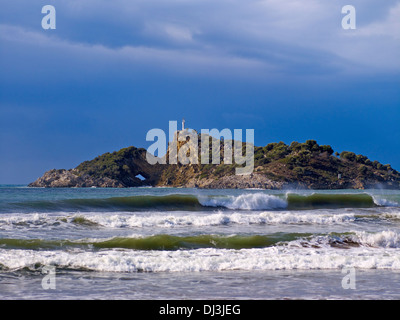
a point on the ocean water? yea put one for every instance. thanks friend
(172, 243)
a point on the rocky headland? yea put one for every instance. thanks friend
(276, 166)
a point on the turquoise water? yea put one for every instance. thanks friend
(162, 243)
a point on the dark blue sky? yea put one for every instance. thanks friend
(112, 70)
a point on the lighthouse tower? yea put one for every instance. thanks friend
(183, 124)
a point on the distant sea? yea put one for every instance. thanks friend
(173, 243)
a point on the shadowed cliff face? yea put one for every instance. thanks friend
(276, 166)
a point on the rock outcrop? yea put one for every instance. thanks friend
(125, 168)
(62, 178)
(276, 166)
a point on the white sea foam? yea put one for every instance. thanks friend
(219, 218)
(384, 202)
(175, 219)
(306, 217)
(383, 239)
(394, 214)
(209, 259)
(253, 201)
(33, 220)
(379, 250)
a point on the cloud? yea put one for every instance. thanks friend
(173, 32)
(388, 27)
(258, 39)
(374, 47)
(51, 54)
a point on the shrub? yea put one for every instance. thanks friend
(361, 159)
(311, 145)
(298, 170)
(269, 146)
(327, 149)
(278, 151)
(362, 169)
(377, 165)
(295, 146)
(350, 156)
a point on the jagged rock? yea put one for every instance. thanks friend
(69, 179)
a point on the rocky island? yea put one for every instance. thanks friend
(305, 165)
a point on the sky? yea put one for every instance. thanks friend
(113, 70)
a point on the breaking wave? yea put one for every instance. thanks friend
(210, 253)
(383, 239)
(256, 201)
(172, 220)
(250, 201)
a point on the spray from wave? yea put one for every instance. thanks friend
(382, 202)
(256, 201)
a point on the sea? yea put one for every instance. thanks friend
(200, 244)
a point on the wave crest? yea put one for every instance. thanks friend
(256, 201)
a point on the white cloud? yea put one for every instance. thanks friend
(390, 27)
(373, 47)
(178, 33)
(89, 57)
(258, 38)
(169, 31)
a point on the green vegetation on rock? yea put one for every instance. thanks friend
(276, 165)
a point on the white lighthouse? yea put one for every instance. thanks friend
(183, 124)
